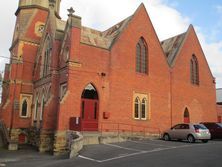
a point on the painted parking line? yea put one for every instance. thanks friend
(87, 158)
(125, 148)
(141, 152)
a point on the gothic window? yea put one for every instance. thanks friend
(194, 70)
(141, 57)
(143, 108)
(36, 110)
(24, 109)
(137, 108)
(47, 58)
(42, 109)
(25, 105)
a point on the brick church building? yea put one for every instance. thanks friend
(63, 76)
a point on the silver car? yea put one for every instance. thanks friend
(190, 132)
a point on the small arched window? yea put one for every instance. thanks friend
(47, 57)
(42, 109)
(143, 108)
(36, 110)
(24, 109)
(141, 57)
(137, 108)
(194, 70)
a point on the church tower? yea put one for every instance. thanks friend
(31, 20)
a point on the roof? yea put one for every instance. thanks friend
(219, 95)
(103, 39)
(171, 47)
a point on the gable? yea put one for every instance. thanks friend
(171, 47)
(124, 46)
(181, 63)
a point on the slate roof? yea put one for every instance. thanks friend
(219, 95)
(171, 47)
(105, 39)
(102, 39)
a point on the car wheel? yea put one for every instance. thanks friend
(191, 139)
(166, 137)
(204, 141)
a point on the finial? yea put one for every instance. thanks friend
(71, 11)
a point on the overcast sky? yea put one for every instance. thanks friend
(170, 17)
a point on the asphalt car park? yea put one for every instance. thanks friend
(137, 153)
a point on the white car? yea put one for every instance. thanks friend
(190, 132)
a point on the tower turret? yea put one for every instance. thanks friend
(39, 3)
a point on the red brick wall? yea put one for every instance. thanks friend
(93, 61)
(117, 87)
(200, 100)
(219, 112)
(124, 80)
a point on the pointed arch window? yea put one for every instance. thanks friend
(141, 57)
(194, 70)
(36, 110)
(137, 108)
(143, 108)
(24, 109)
(42, 109)
(47, 57)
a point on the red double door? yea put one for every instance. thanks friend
(89, 115)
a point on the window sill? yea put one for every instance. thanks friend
(24, 117)
(140, 119)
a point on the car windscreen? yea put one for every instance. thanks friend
(199, 127)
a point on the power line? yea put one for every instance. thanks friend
(60, 69)
(43, 65)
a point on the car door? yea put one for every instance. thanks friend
(175, 131)
(184, 130)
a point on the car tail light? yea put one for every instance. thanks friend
(197, 130)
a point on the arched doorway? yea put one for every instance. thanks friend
(89, 108)
(186, 116)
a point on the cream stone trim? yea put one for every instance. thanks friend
(6, 104)
(28, 99)
(20, 50)
(17, 81)
(30, 43)
(75, 64)
(141, 96)
(65, 97)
